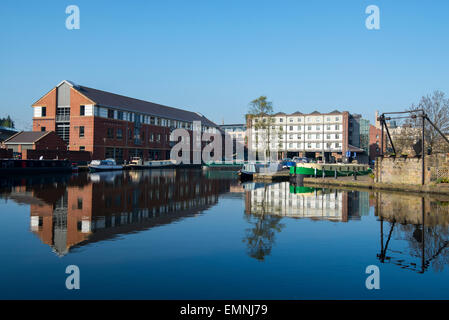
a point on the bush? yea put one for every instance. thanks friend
(443, 180)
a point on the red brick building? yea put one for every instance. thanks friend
(375, 138)
(35, 140)
(110, 125)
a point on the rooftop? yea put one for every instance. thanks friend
(26, 137)
(112, 100)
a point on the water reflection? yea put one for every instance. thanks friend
(73, 211)
(286, 200)
(414, 231)
(68, 212)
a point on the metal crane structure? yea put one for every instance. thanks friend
(411, 114)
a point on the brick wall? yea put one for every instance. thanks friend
(6, 153)
(48, 101)
(77, 121)
(50, 141)
(375, 138)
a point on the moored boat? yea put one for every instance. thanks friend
(138, 164)
(329, 170)
(16, 166)
(249, 169)
(104, 165)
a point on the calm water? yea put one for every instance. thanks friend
(191, 235)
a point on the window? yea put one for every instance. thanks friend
(158, 138)
(291, 119)
(281, 120)
(329, 145)
(110, 114)
(130, 134)
(120, 115)
(337, 136)
(119, 134)
(82, 110)
(328, 136)
(328, 127)
(337, 127)
(318, 127)
(299, 128)
(110, 133)
(43, 128)
(80, 203)
(44, 111)
(82, 148)
(81, 131)
(309, 128)
(291, 128)
(151, 137)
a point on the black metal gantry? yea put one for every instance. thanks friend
(412, 114)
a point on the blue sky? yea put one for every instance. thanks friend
(215, 56)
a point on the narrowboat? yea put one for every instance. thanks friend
(249, 169)
(138, 164)
(329, 170)
(17, 166)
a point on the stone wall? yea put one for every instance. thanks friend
(408, 209)
(409, 170)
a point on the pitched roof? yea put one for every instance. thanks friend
(108, 99)
(354, 149)
(26, 137)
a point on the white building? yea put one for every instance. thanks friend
(325, 135)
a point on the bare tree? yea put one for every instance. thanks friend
(436, 106)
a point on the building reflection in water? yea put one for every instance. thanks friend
(414, 231)
(96, 207)
(71, 211)
(267, 204)
(287, 200)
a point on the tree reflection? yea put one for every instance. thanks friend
(260, 237)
